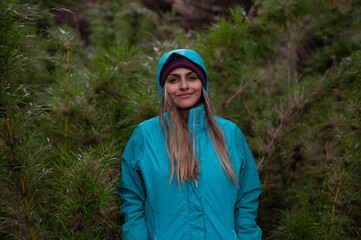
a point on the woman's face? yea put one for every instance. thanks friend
(184, 88)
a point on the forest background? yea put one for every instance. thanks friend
(77, 77)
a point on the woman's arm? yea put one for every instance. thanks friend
(132, 191)
(247, 199)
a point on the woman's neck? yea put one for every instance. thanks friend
(184, 114)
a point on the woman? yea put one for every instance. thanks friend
(187, 174)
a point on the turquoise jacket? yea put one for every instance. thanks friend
(215, 208)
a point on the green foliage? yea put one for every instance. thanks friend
(16, 33)
(298, 224)
(127, 23)
(287, 72)
(129, 26)
(82, 198)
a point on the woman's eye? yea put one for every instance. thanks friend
(193, 78)
(172, 80)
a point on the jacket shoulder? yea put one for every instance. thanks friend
(226, 124)
(231, 131)
(142, 134)
(151, 129)
(152, 122)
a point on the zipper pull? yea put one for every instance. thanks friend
(196, 182)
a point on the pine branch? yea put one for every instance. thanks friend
(348, 153)
(241, 89)
(23, 186)
(67, 90)
(286, 112)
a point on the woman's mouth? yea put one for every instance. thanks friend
(185, 95)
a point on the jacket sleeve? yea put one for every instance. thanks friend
(249, 190)
(132, 191)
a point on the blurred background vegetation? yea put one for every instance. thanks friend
(76, 77)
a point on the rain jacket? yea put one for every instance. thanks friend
(212, 208)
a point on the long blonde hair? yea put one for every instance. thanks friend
(181, 154)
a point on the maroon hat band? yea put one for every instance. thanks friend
(181, 62)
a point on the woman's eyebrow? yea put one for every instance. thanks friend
(173, 74)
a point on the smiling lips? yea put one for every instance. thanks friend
(184, 95)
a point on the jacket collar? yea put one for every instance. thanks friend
(196, 118)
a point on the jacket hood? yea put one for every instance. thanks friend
(187, 53)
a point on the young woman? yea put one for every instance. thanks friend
(187, 174)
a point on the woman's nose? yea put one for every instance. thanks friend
(184, 84)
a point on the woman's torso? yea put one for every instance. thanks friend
(191, 211)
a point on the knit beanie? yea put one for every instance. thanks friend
(181, 62)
